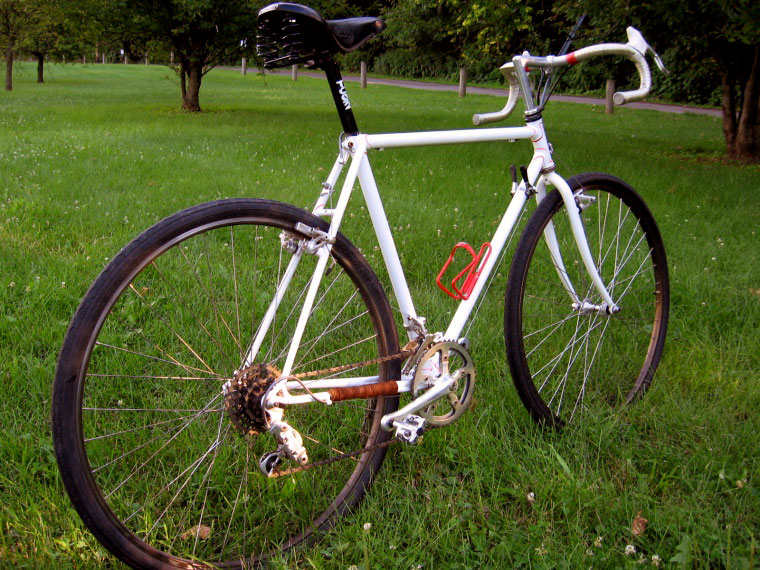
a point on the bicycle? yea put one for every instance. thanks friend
(242, 325)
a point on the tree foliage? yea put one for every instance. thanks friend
(54, 34)
(200, 33)
(436, 38)
(18, 19)
(712, 48)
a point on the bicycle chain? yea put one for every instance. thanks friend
(409, 350)
(406, 352)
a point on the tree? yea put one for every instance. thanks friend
(52, 34)
(201, 33)
(204, 34)
(718, 41)
(17, 18)
(481, 34)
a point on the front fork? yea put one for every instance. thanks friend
(579, 234)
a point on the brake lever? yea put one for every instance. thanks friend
(637, 42)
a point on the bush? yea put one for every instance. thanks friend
(410, 63)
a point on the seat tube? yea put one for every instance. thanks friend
(340, 96)
(387, 245)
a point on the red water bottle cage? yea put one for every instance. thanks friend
(469, 275)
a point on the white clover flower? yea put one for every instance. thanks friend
(721, 475)
(630, 549)
(541, 550)
(531, 497)
(656, 560)
(367, 526)
(598, 541)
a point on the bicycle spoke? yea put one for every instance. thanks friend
(164, 443)
(172, 438)
(338, 351)
(173, 362)
(210, 295)
(153, 377)
(607, 356)
(180, 297)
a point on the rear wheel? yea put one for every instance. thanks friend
(565, 360)
(155, 462)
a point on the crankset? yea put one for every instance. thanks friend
(445, 360)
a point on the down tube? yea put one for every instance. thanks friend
(505, 228)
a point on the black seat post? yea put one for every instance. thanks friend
(340, 96)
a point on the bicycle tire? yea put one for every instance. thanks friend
(562, 360)
(145, 448)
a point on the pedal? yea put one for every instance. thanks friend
(410, 429)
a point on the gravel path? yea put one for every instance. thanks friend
(664, 107)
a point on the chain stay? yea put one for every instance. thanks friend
(406, 352)
(409, 350)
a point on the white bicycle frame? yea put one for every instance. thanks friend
(540, 174)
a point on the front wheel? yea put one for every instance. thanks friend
(157, 453)
(565, 356)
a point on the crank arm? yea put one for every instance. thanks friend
(438, 390)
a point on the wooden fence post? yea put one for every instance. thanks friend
(244, 68)
(609, 105)
(462, 81)
(294, 72)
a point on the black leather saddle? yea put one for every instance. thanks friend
(291, 34)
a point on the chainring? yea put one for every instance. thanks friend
(441, 359)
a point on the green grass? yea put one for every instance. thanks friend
(98, 153)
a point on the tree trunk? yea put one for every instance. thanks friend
(40, 66)
(728, 105)
(9, 69)
(747, 142)
(182, 80)
(190, 101)
(742, 130)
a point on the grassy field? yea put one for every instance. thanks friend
(98, 153)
